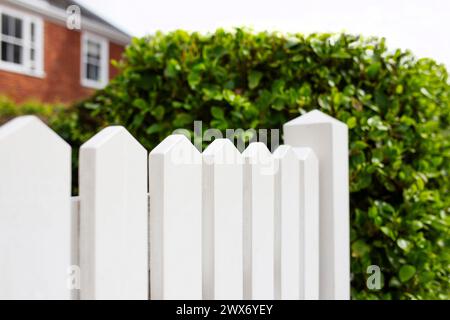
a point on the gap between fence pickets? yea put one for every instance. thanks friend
(75, 248)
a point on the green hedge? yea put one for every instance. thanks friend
(397, 109)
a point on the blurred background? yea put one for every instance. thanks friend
(419, 25)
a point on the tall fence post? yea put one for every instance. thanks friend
(175, 179)
(35, 211)
(113, 217)
(328, 138)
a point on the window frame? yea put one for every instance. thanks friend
(104, 61)
(25, 67)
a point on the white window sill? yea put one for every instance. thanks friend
(15, 68)
(91, 84)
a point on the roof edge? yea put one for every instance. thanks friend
(58, 15)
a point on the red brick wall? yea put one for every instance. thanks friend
(62, 58)
(115, 53)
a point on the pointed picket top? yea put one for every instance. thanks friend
(113, 216)
(314, 117)
(169, 143)
(31, 126)
(258, 154)
(298, 224)
(284, 151)
(219, 146)
(181, 149)
(175, 182)
(256, 149)
(109, 134)
(222, 151)
(259, 218)
(328, 138)
(222, 197)
(288, 152)
(35, 222)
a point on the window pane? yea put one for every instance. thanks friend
(11, 53)
(97, 73)
(12, 26)
(32, 59)
(4, 55)
(18, 28)
(32, 32)
(93, 56)
(17, 54)
(89, 72)
(93, 60)
(92, 72)
(93, 48)
(7, 52)
(5, 25)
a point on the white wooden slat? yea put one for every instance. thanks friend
(328, 138)
(259, 223)
(298, 170)
(35, 221)
(309, 208)
(113, 217)
(175, 180)
(222, 221)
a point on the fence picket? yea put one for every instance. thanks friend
(299, 225)
(35, 221)
(328, 138)
(259, 223)
(222, 221)
(113, 217)
(175, 179)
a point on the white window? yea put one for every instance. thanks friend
(94, 61)
(21, 42)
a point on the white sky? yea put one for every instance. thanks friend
(420, 25)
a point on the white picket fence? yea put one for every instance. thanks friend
(219, 225)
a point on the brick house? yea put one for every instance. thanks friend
(43, 58)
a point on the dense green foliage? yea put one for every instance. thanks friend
(397, 109)
(59, 116)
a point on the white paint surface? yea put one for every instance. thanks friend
(299, 225)
(259, 223)
(222, 221)
(328, 138)
(113, 217)
(35, 220)
(175, 220)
